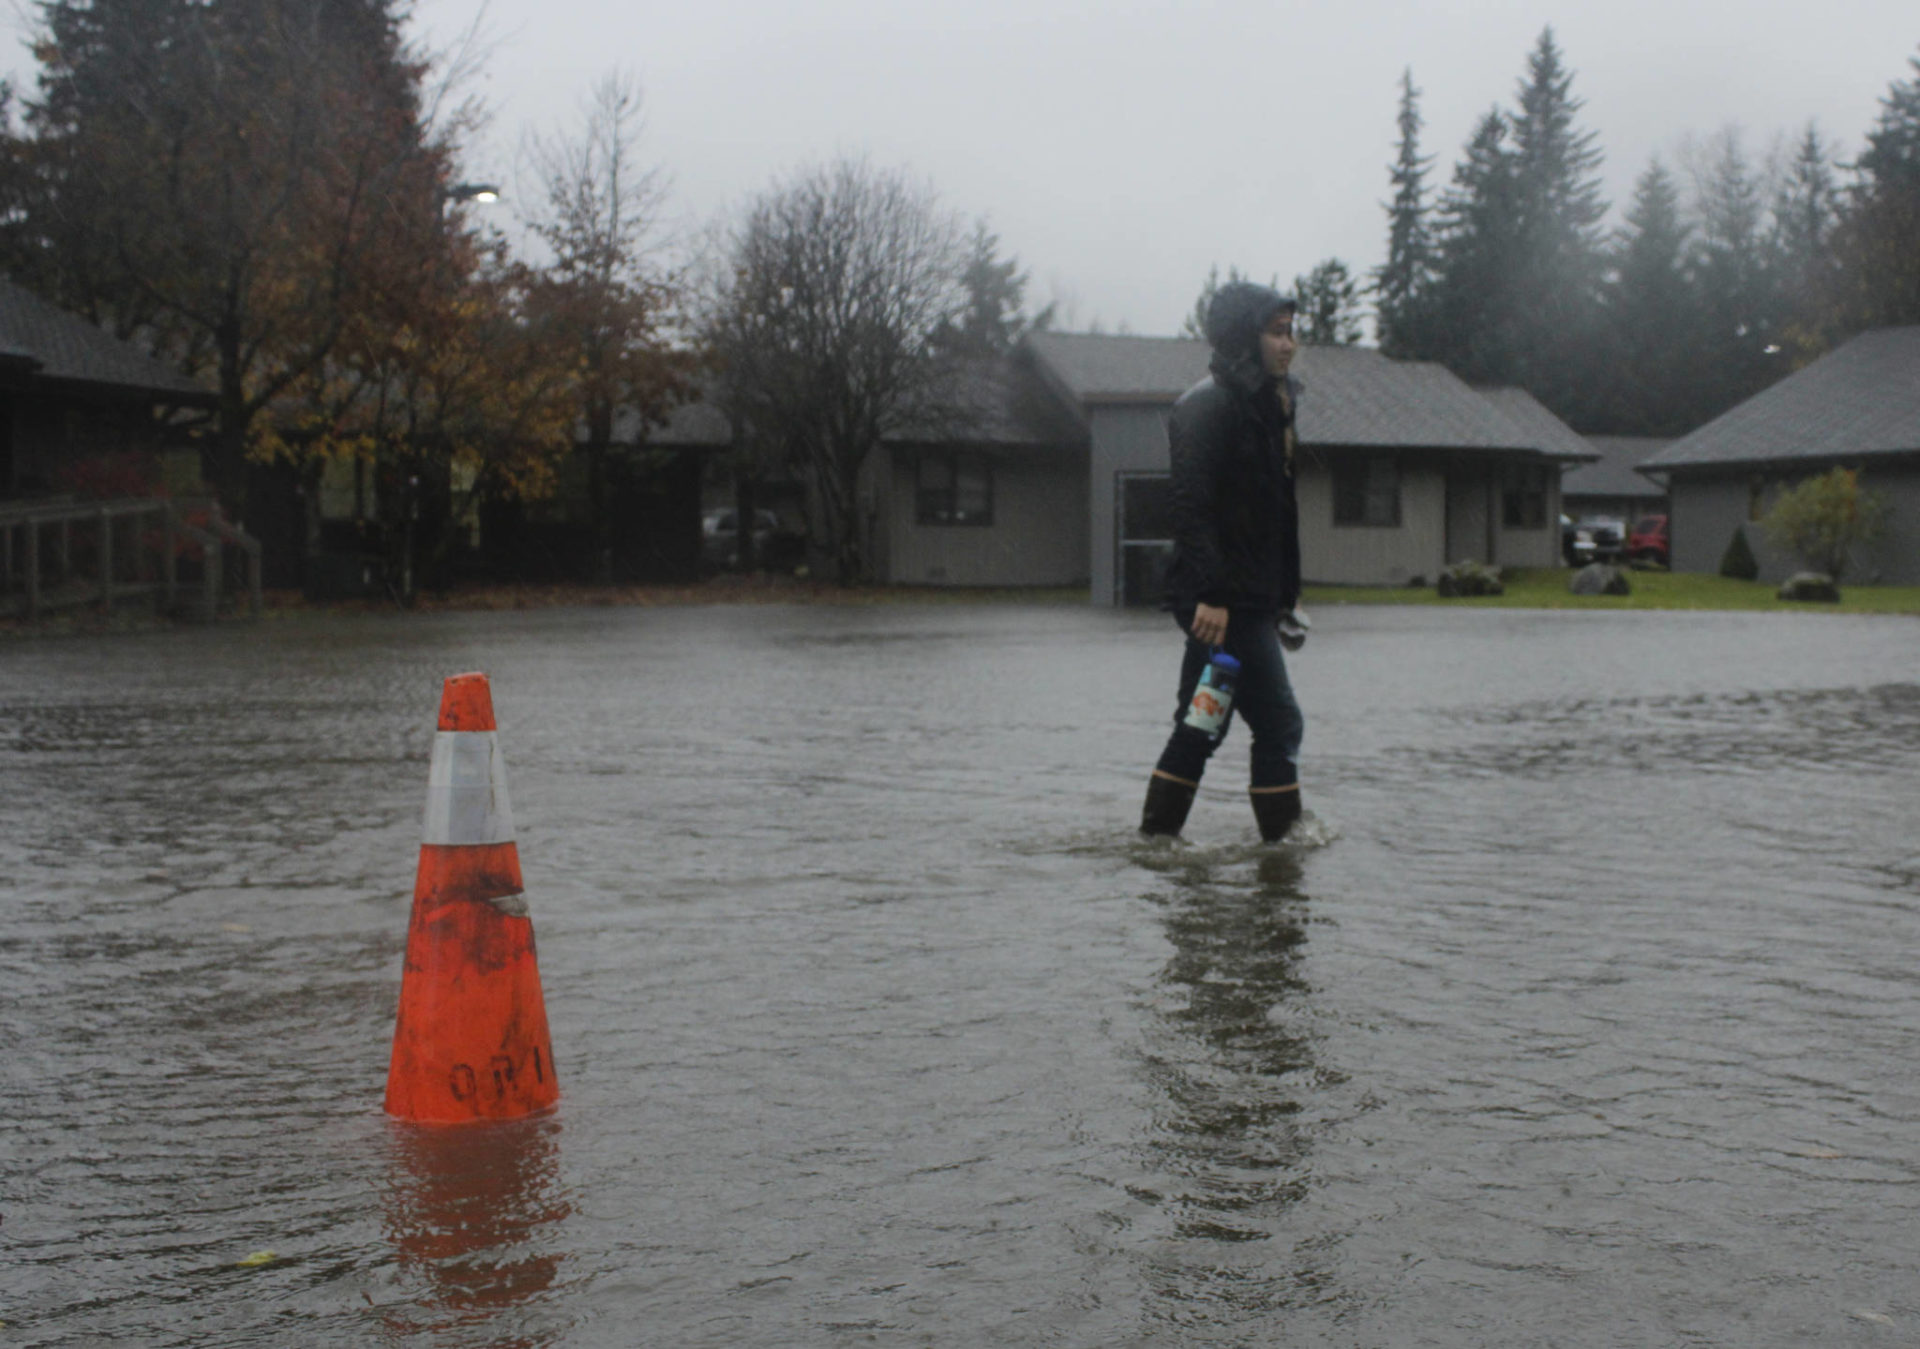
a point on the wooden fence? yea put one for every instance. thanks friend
(65, 554)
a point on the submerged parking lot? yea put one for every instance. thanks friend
(1584, 1011)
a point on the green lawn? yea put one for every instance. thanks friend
(1546, 588)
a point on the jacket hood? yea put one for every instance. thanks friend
(1236, 316)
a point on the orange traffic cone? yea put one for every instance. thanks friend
(471, 1039)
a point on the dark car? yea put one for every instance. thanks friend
(1609, 537)
(1595, 539)
(720, 534)
(1648, 541)
(1576, 548)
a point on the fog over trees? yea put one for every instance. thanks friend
(1720, 278)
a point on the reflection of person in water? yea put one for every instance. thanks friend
(1235, 573)
(1229, 1149)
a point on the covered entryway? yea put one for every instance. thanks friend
(1470, 513)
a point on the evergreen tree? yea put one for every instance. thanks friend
(1556, 267)
(1401, 284)
(1877, 243)
(1329, 313)
(1651, 310)
(1738, 298)
(1805, 205)
(995, 318)
(1557, 164)
(1469, 325)
(1518, 255)
(1800, 247)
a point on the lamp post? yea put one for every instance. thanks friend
(480, 192)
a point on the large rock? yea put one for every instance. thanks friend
(1810, 585)
(1597, 578)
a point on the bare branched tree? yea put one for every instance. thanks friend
(602, 298)
(824, 315)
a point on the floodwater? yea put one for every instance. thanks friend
(1586, 1012)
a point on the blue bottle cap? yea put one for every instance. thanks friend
(1226, 662)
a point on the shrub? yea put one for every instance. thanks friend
(1821, 520)
(1738, 562)
(1470, 578)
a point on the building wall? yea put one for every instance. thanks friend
(1896, 558)
(1333, 554)
(1530, 547)
(1038, 535)
(1134, 439)
(1706, 511)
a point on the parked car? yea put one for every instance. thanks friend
(720, 534)
(1595, 539)
(1576, 547)
(1648, 541)
(1605, 539)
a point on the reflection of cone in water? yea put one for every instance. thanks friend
(471, 1039)
(477, 1214)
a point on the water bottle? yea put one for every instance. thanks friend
(1213, 696)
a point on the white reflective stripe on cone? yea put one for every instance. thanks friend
(467, 790)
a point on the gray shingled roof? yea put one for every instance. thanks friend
(1859, 400)
(695, 425)
(1614, 473)
(1555, 437)
(67, 347)
(1350, 395)
(1101, 369)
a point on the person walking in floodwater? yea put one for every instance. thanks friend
(1234, 582)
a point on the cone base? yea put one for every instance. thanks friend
(471, 1039)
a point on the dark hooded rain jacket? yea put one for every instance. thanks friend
(1236, 520)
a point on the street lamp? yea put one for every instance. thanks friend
(481, 192)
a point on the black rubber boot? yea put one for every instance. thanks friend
(1168, 801)
(1277, 810)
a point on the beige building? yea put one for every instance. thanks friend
(1054, 471)
(1404, 469)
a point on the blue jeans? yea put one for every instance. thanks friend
(1264, 700)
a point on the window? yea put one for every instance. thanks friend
(953, 488)
(1523, 505)
(1145, 505)
(1366, 492)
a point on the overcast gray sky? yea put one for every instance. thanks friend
(1120, 149)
